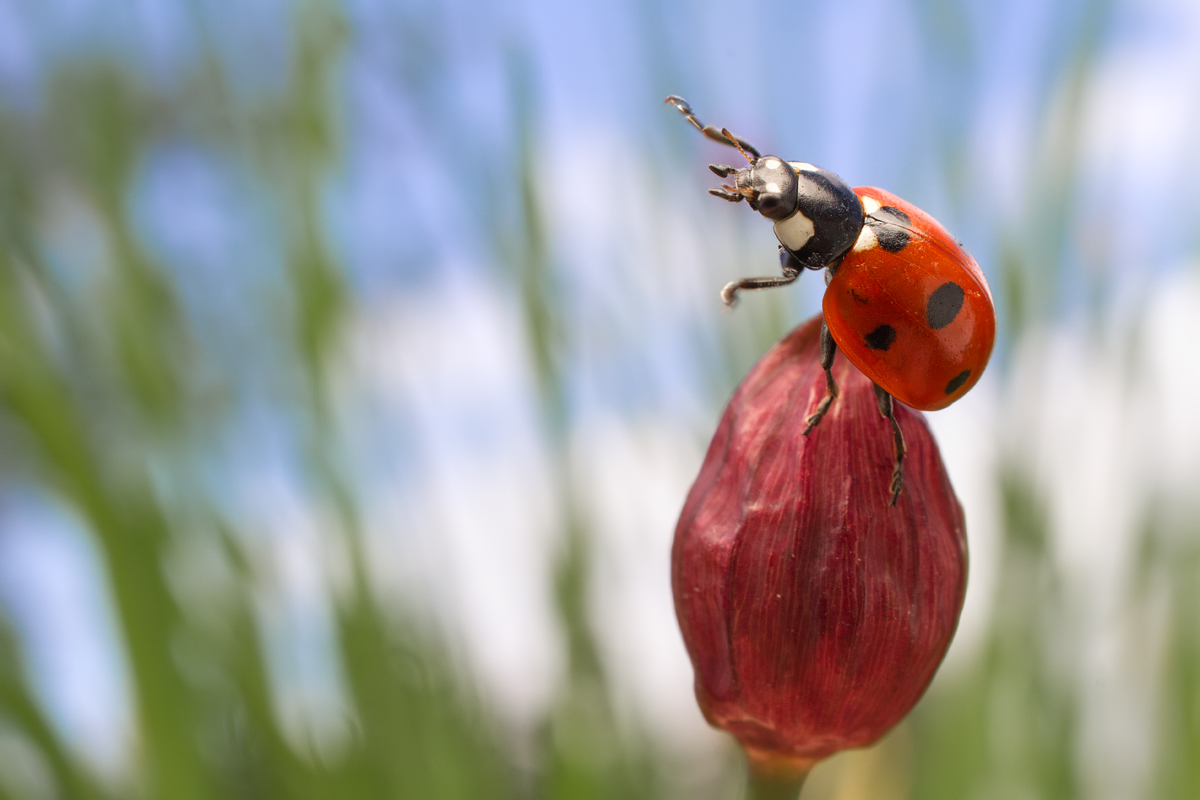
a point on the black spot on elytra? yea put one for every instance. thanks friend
(881, 338)
(957, 381)
(944, 305)
(893, 215)
(890, 226)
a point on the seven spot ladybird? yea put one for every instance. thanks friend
(905, 301)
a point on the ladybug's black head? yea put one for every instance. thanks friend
(768, 185)
(818, 217)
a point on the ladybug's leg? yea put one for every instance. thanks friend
(828, 350)
(722, 136)
(885, 408)
(791, 271)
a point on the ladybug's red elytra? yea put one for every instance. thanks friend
(904, 301)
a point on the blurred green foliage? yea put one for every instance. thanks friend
(107, 392)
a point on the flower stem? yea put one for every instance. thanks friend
(771, 777)
(774, 787)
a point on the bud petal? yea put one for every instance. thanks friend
(814, 612)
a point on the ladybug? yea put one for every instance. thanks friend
(904, 300)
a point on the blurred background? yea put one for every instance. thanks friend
(355, 360)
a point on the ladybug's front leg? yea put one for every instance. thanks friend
(787, 262)
(828, 350)
(722, 136)
(885, 409)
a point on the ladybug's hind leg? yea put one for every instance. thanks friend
(886, 410)
(828, 350)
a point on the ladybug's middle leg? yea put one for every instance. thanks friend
(886, 410)
(828, 350)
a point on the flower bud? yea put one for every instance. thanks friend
(815, 613)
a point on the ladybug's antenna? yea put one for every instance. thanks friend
(722, 136)
(738, 144)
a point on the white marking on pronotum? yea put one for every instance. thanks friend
(794, 231)
(870, 205)
(866, 240)
(803, 166)
(771, 188)
(771, 163)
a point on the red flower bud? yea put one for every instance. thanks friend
(815, 613)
